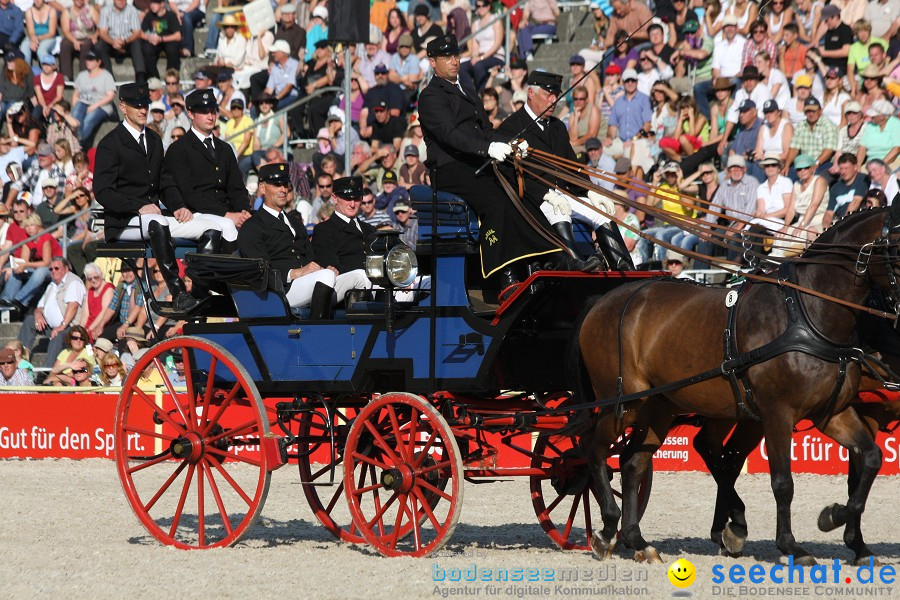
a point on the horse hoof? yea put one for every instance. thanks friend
(826, 518)
(648, 555)
(863, 561)
(723, 551)
(602, 549)
(732, 542)
(805, 561)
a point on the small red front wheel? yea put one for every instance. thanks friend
(189, 454)
(403, 476)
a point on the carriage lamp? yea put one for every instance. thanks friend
(390, 262)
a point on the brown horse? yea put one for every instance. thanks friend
(643, 336)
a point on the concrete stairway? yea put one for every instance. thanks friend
(574, 31)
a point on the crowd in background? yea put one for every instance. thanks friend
(791, 106)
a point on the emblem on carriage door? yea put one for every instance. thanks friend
(731, 298)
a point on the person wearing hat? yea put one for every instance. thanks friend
(858, 56)
(160, 32)
(130, 182)
(392, 192)
(548, 134)
(382, 91)
(317, 30)
(596, 158)
(281, 239)
(459, 139)
(425, 29)
(10, 373)
(751, 89)
(835, 42)
(408, 223)
(675, 265)
(119, 32)
(631, 112)
(737, 196)
(412, 171)
(591, 83)
(282, 82)
(92, 100)
(814, 136)
(45, 167)
(746, 139)
(207, 175)
(404, 66)
(881, 137)
(339, 242)
(811, 198)
(775, 134)
(774, 196)
(381, 127)
(727, 61)
(289, 31)
(372, 57)
(226, 96)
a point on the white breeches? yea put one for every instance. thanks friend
(223, 224)
(301, 290)
(351, 280)
(191, 230)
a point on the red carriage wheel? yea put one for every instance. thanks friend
(190, 461)
(330, 507)
(407, 448)
(573, 496)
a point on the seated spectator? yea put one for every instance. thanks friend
(631, 112)
(92, 101)
(133, 343)
(759, 41)
(404, 68)
(24, 131)
(324, 186)
(119, 31)
(774, 196)
(44, 168)
(737, 197)
(412, 171)
(396, 27)
(15, 230)
(425, 29)
(80, 176)
(227, 94)
(232, 47)
(319, 72)
(702, 185)
(25, 280)
(317, 30)
(358, 89)
(63, 152)
(238, 130)
(164, 326)
(112, 371)
(23, 356)
(772, 79)
(176, 118)
(652, 69)
(848, 191)
(407, 222)
(792, 52)
(99, 295)
(383, 93)
(385, 159)
(160, 32)
(415, 137)
(383, 129)
(391, 193)
(373, 57)
(775, 134)
(488, 49)
(58, 308)
(815, 136)
(727, 61)
(849, 138)
(811, 199)
(858, 55)
(48, 89)
(16, 82)
(881, 137)
(10, 373)
(282, 83)
(9, 155)
(126, 309)
(75, 355)
(78, 25)
(834, 98)
(369, 213)
(670, 174)
(584, 120)
(46, 210)
(100, 348)
(252, 72)
(883, 179)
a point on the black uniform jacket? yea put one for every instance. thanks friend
(340, 244)
(554, 139)
(211, 186)
(125, 179)
(265, 236)
(455, 126)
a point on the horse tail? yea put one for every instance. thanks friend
(577, 374)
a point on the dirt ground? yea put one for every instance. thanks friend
(67, 529)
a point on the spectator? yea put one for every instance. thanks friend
(792, 52)
(772, 79)
(15, 231)
(665, 114)
(692, 57)
(612, 89)
(835, 38)
(335, 126)
(134, 342)
(584, 120)
(92, 100)
(491, 101)
(9, 154)
(16, 82)
(253, 72)
(58, 308)
(539, 17)
(671, 202)
(628, 16)
(289, 31)
(190, 13)
(883, 179)
(858, 56)
(412, 171)
(124, 310)
(372, 57)
(319, 72)
(691, 129)
(597, 159)
(63, 126)
(282, 77)
(79, 35)
(872, 88)
(382, 128)
(267, 134)
(750, 90)
(203, 81)
(317, 29)
(382, 92)
(46, 210)
(99, 295)
(357, 99)
(631, 113)
(848, 191)
(26, 278)
(407, 223)
(809, 17)
(396, 27)
(774, 196)
(160, 32)
(815, 136)
(176, 119)
(759, 42)
(737, 196)
(112, 372)
(12, 28)
(881, 137)
(80, 176)
(727, 61)
(404, 67)
(775, 134)
(704, 191)
(814, 68)
(41, 22)
(744, 143)
(835, 98)
(849, 138)
(487, 51)
(376, 217)
(324, 187)
(22, 357)
(794, 108)
(78, 229)
(875, 198)
(424, 30)
(46, 167)
(743, 13)
(48, 89)
(63, 152)
(163, 325)
(10, 373)
(232, 46)
(237, 123)
(811, 199)
(391, 193)
(75, 356)
(414, 137)
(119, 31)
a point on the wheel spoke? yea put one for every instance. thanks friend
(201, 510)
(165, 486)
(426, 506)
(189, 383)
(233, 432)
(376, 494)
(184, 491)
(363, 490)
(191, 422)
(237, 488)
(147, 432)
(149, 463)
(586, 500)
(555, 503)
(225, 403)
(334, 498)
(370, 460)
(401, 511)
(571, 520)
(157, 410)
(423, 453)
(435, 467)
(414, 517)
(434, 490)
(413, 431)
(215, 491)
(380, 512)
(208, 392)
(382, 443)
(243, 459)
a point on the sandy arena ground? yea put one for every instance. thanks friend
(67, 530)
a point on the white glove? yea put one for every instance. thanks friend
(559, 202)
(499, 151)
(601, 203)
(522, 148)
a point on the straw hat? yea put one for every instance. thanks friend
(229, 20)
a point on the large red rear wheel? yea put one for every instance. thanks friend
(190, 461)
(403, 476)
(566, 496)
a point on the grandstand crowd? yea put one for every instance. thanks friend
(789, 107)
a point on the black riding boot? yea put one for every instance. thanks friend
(322, 298)
(508, 281)
(592, 263)
(613, 247)
(164, 252)
(210, 242)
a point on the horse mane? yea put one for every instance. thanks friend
(832, 236)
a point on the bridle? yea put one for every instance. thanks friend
(890, 251)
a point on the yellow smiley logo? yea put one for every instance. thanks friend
(682, 573)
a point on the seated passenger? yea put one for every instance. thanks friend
(339, 242)
(281, 238)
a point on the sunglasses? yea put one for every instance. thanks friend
(56, 268)
(77, 371)
(8, 362)
(580, 99)
(111, 364)
(759, 31)
(176, 137)
(631, 81)
(324, 187)
(705, 173)
(367, 203)
(171, 83)
(76, 338)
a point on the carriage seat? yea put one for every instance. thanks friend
(136, 249)
(457, 225)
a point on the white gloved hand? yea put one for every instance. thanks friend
(601, 203)
(559, 202)
(499, 151)
(522, 148)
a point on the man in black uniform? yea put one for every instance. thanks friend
(460, 137)
(281, 238)
(339, 242)
(207, 174)
(549, 134)
(130, 180)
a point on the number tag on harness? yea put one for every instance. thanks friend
(731, 298)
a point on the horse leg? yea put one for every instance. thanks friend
(848, 430)
(596, 443)
(778, 444)
(635, 463)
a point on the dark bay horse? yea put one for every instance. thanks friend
(646, 335)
